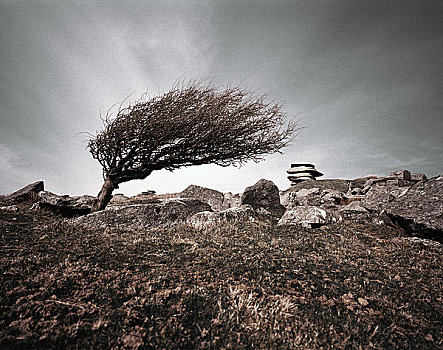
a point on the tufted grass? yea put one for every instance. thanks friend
(229, 286)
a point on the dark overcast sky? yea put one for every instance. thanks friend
(365, 80)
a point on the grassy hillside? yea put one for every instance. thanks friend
(251, 285)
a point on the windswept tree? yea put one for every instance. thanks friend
(191, 124)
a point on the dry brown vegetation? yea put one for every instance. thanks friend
(242, 285)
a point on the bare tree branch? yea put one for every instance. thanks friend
(191, 124)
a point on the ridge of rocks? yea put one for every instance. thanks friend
(403, 199)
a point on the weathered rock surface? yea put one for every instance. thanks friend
(307, 216)
(380, 193)
(333, 184)
(338, 200)
(313, 197)
(263, 195)
(119, 198)
(332, 197)
(12, 208)
(244, 213)
(305, 196)
(361, 181)
(397, 199)
(355, 212)
(419, 208)
(214, 198)
(24, 194)
(418, 177)
(390, 180)
(401, 174)
(354, 207)
(231, 200)
(165, 213)
(64, 205)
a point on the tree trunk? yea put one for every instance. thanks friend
(104, 196)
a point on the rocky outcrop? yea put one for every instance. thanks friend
(310, 196)
(64, 205)
(418, 177)
(401, 174)
(332, 184)
(398, 199)
(263, 195)
(380, 193)
(314, 197)
(419, 208)
(165, 213)
(307, 216)
(12, 208)
(214, 198)
(231, 200)
(355, 212)
(27, 193)
(217, 200)
(203, 219)
(119, 198)
(428, 243)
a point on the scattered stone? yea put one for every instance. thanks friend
(419, 208)
(429, 243)
(370, 176)
(305, 196)
(166, 213)
(316, 193)
(64, 205)
(148, 193)
(27, 193)
(410, 201)
(264, 194)
(330, 184)
(393, 180)
(401, 174)
(418, 177)
(307, 216)
(331, 196)
(214, 198)
(355, 191)
(12, 208)
(347, 199)
(203, 219)
(119, 198)
(143, 196)
(304, 192)
(355, 212)
(380, 194)
(354, 206)
(231, 200)
(368, 184)
(284, 197)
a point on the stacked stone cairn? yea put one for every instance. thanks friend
(302, 172)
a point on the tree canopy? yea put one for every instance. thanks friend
(191, 124)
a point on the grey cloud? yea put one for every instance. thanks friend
(363, 77)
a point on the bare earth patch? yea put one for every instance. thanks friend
(243, 285)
